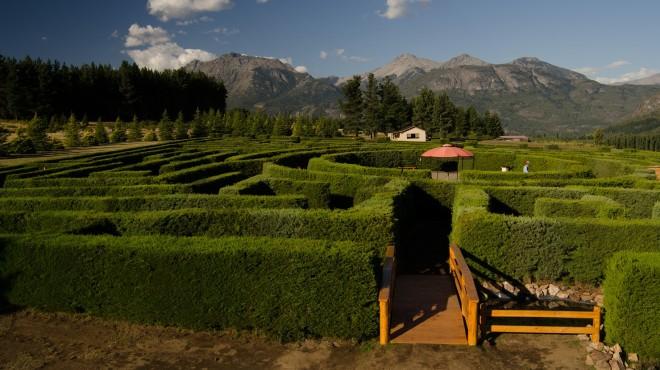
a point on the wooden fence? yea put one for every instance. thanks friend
(467, 292)
(593, 330)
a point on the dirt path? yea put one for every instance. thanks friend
(34, 340)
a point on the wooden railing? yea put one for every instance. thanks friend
(467, 292)
(385, 294)
(593, 315)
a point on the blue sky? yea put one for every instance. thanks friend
(608, 40)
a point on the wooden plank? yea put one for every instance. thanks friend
(540, 329)
(595, 335)
(388, 278)
(426, 309)
(542, 314)
(384, 323)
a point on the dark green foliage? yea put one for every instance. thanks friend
(317, 192)
(211, 185)
(134, 132)
(148, 203)
(323, 164)
(72, 132)
(183, 164)
(352, 105)
(546, 249)
(165, 128)
(187, 175)
(180, 128)
(472, 175)
(85, 188)
(119, 134)
(656, 211)
(588, 206)
(78, 182)
(289, 288)
(632, 294)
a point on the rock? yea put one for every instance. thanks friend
(632, 357)
(602, 365)
(599, 298)
(589, 361)
(598, 356)
(509, 288)
(553, 289)
(583, 337)
(616, 348)
(585, 297)
(562, 295)
(616, 365)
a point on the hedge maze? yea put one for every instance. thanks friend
(287, 237)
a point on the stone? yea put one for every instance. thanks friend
(585, 297)
(553, 289)
(598, 356)
(562, 295)
(599, 298)
(508, 287)
(616, 348)
(589, 361)
(602, 365)
(583, 337)
(633, 357)
(616, 365)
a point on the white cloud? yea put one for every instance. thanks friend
(224, 31)
(160, 52)
(340, 51)
(323, 55)
(287, 60)
(627, 77)
(399, 8)
(188, 22)
(44, 38)
(114, 34)
(138, 36)
(358, 59)
(593, 71)
(262, 1)
(182, 9)
(301, 69)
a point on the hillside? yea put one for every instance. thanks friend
(644, 121)
(531, 96)
(651, 80)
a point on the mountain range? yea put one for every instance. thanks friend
(532, 97)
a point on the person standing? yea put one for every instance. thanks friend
(526, 167)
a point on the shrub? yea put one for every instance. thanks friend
(180, 165)
(75, 191)
(632, 300)
(148, 202)
(247, 167)
(324, 165)
(318, 193)
(473, 175)
(549, 249)
(589, 206)
(289, 288)
(111, 174)
(79, 182)
(656, 211)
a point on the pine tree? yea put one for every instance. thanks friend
(72, 132)
(297, 129)
(198, 125)
(165, 128)
(37, 132)
(100, 133)
(281, 126)
(598, 136)
(118, 134)
(180, 128)
(493, 125)
(395, 110)
(372, 108)
(422, 106)
(134, 130)
(352, 105)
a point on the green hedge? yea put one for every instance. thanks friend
(289, 288)
(148, 203)
(317, 192)
(123, 173)
(249, 168)
(589, 206)
(474, 175)
(180, 165)
(79, 182)
(550, 249)
(76, 191)
(324, 165)
(656, 211)
(632, 300)
(381, 158)
(211, 185)
(521, 200)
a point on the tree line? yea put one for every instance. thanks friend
(378, 106)
(54, 91)
(641, 142)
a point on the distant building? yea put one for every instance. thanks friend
(514, 138)
(411, 133)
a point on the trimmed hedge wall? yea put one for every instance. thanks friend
(180, 165)
(550, 249)
(317, 192)
(79, 182)
(473, 175)
(149, 203)
(324, 165)
(589, 206)
(248, 167)
(289, 288)
(656, 211)
(632, 300)
(74, 191)
(123, 173)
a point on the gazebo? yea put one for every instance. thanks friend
(448, 151)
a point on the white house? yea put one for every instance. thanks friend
(411, 133)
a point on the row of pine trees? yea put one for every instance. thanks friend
(379, 106)
(640, 142)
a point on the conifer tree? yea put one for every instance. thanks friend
(198, 125)
(395, 111)
(37, 132)
(180, 128)
(165, 128)
(118, 134)
(372, 106)
(297, 129)
(422, 106)
(100, 134)
(72, 132)
(281, 125)
(134, 130)
(352, 105)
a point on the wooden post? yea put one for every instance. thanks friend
(595, 336)
(384, 323)
(472, 322)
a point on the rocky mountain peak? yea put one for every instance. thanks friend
(464, 60)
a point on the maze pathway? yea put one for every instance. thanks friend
(425, 309)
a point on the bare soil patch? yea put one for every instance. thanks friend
(36, 340)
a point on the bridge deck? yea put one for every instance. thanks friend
(426, 309)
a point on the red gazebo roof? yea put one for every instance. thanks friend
(447, 151)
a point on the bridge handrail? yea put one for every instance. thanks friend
(386, 292)
(467, 292)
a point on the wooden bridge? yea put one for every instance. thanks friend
(444, 309)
